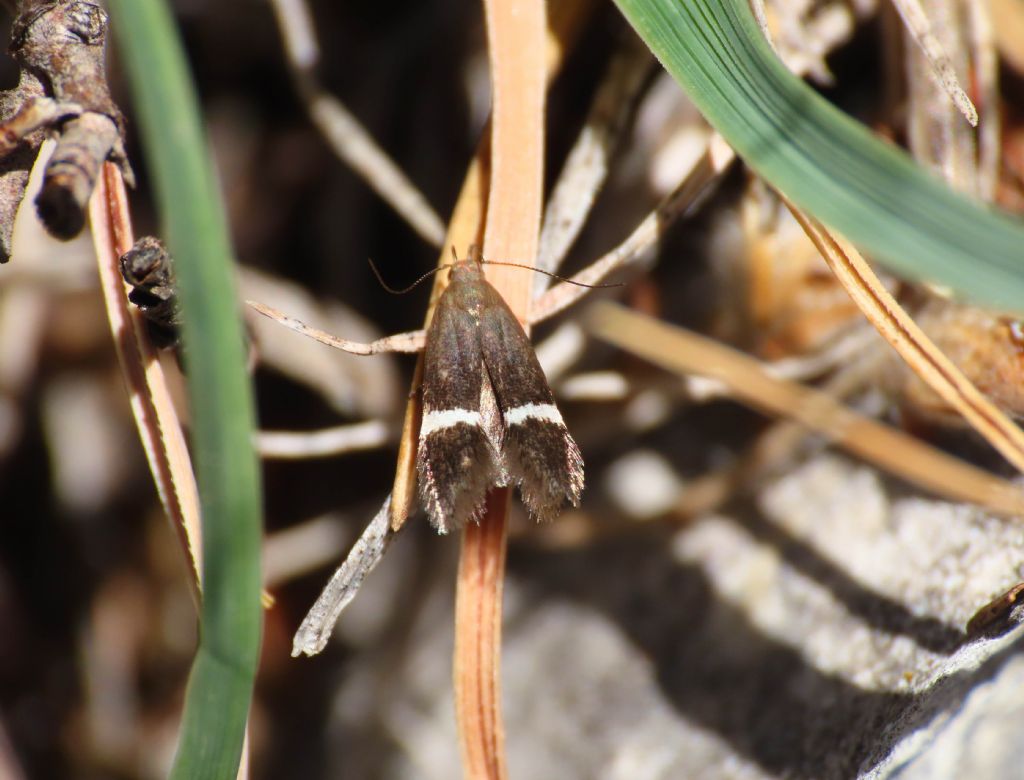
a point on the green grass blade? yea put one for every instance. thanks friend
(828, 164)
(220, 684)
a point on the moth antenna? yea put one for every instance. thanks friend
(404, 290)
(554, 276)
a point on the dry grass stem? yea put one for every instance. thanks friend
(354, 387)
(400, 342)
(595, 386)
(916, 20)
(916, 349)
(773, 449)
(155, 416)
(985, 61)
(516, 29)
(346, 136)
(800, 368)
(586, 166)
(561, 349)
(685, 352)
(936, 132)
(328, 442)
(367, 552)
(687, 196)
(477, 667)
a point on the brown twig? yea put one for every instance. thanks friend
(61, 46)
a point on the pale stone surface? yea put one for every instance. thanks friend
(815, 633)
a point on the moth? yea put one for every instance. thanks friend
(489, 417)
(489, 420)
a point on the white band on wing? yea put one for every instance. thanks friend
(543, 412)
(439, 419)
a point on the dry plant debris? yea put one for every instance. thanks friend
(61, 48)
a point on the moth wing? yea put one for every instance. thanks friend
(456, 463)
(539, 453)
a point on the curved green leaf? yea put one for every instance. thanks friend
(825, 162)
(220, 685)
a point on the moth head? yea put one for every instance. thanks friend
(468, 268)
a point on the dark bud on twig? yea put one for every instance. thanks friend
(60, 45)
(149, 270)
(72, 171)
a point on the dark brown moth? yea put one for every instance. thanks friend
(489, 417)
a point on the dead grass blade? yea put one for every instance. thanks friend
(912, 344)
(688, 195)
(773, 449)
(683, 351)
(477, 664)
(316, 628)
(155, 416)
(920, 28)
(586, 167)
(515, 31)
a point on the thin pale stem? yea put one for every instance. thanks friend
(400, 342)
(342, 439)
(346, 136)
